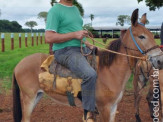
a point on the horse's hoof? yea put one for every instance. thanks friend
(137, 118)
(1, 110)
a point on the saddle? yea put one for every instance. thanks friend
(56, 78)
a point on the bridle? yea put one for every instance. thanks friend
(144, 52)
(139, 49)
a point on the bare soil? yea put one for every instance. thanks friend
(48, 111)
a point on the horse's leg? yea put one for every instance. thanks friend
(150, 98)
(108, 111)
(104, 113)
(137, 104)
(137, 97)
(28, 104)
(30, 95)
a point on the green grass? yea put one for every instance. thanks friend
(10, 58)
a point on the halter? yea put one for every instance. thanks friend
(143, 52)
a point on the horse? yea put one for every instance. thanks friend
(143, 74)
(113, 73)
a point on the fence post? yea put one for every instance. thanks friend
(36, 38)
(44, 38)
(50, 49)
(3, 42)
(41, 38)
(26, 37)
(12, 41)
(20, 40)
(32, 39)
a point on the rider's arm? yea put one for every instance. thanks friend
(54, 37)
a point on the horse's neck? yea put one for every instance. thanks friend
(116, 76)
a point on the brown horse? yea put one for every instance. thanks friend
(144, 74)
(113, 73)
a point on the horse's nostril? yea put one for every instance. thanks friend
(159, 62)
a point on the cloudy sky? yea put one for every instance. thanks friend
(105, 11)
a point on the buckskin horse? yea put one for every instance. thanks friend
(113, 73)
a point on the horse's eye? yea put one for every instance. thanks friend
(142, 37)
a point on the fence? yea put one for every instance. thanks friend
(27, 36)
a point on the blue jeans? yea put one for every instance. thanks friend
(72, 58)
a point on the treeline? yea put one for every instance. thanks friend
(14, 26)
(33, 30)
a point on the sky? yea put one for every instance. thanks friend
(105, 11)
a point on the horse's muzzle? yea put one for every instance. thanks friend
(157, 61)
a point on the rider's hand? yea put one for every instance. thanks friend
(80, 34)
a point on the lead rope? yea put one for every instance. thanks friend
(111, 51)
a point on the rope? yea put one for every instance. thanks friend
(111, 51)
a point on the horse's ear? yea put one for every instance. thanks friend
(123, 32)
(143, 19)
(134, 17)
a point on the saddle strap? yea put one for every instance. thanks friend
(70, 94)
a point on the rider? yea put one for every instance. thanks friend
(64, 30)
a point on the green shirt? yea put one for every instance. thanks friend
(64, 19)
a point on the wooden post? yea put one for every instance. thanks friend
(3, 42)
(50, 49)
(41, 38)
(44, 38)
(20, 40)
(37, 39)
(26, 37)
(12, 41)
(32, 39)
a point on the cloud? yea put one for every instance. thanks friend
(110, 3)
(24, 3)
(105, 11)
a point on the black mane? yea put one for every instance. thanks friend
(106, 58)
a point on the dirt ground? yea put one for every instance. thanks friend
(48, 111)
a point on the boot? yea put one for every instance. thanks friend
(90, 117)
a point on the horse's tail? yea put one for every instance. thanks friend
(17, 110)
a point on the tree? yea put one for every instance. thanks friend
(31, 24)
(52, 2)
(80, 7)
(88, 27)
(10, 26)
(76, 3)
(92, 18)
(153, 4)
(43, 15)
(122, 19)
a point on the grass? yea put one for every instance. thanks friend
(10, 58)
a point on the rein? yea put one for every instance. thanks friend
(111, 51)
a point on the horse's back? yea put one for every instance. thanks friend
(31, 62)
(27, 70)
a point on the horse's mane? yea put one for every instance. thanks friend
(107, 58)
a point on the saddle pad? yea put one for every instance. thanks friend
(60, 85)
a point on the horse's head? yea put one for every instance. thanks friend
(141, 40)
